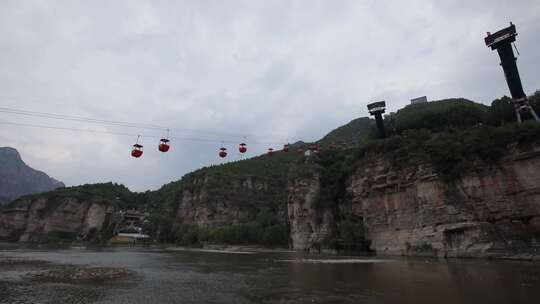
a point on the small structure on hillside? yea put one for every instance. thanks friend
(130, 238)
(502, 42)
(129, 226)
(418, 100)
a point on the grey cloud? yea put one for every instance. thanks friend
(280, 70)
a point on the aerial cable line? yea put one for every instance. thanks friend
(110, 122)
(137, 150)
(80, 119)
(73, 129)
(107, 132)
(199, 139)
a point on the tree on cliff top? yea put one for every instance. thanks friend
(351, 133)
(502, 110)
(437, 116)
(107, 193)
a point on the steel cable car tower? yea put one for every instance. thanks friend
(502, 42)
(377, 109)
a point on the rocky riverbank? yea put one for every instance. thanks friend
(24, 280)
(74, 274)
(45, 271)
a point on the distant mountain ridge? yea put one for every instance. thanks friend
(17, 178)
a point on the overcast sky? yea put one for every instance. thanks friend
(270, 70)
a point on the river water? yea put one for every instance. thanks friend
(167, 276)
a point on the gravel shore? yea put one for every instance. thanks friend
(24, 280)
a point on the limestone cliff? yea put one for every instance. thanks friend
(487, 211)
(223, 204)
(43, 220)
(82, 213)
(212, 199)
(311, 221)
(490, 210)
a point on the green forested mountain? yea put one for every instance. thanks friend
(108, 193)
(438, 115)
(451, 133)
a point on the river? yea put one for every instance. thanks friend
(176, 276)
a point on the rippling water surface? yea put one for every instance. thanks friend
(165, 276)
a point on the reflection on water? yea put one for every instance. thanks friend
(212, 277)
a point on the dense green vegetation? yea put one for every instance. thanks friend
(451, 114)
(163, 205)
(252, 233)
(275, 166)
(455, 151)
(264, 229)
(457, 135)
(106, 193)
(58, 237)
(437, 116)
(350, 134)
(502, 110)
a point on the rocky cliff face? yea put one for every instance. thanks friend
(214, 200)
(54, 219)
(81, 213)
(488, 211)
(311, 222)
(17, 178)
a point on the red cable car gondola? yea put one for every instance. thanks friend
(270, 151)
(222, 152)
(164, 145)
(137, 150)
(286, 148)
(312, 148)
(242, 148)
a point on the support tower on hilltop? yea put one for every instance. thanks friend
(377, 109)
(502, 42)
